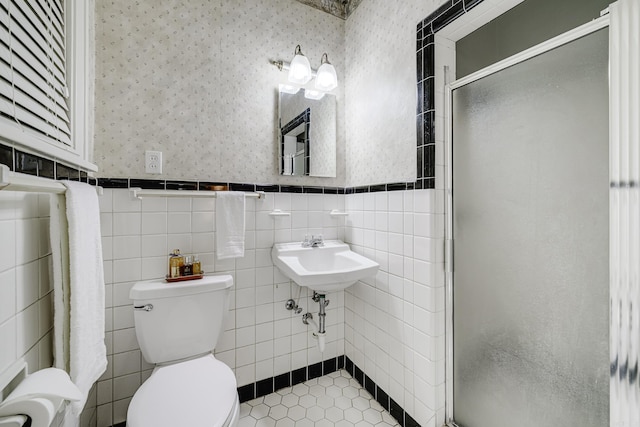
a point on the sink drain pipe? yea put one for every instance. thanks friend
(321, 334)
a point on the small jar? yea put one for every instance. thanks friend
(187, 269)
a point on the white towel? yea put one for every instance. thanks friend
(79, 301)
(229, 224)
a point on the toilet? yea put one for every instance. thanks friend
(177, 326)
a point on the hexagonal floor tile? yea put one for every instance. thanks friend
(375, 405)
(334, 391)
(341, 382)
(245, 410)
(325, 402)
(317, 390)
(285, 422)
(260, 411)
(334, 400)
(325, 381)
(272, 399)
(324, 423)
(247, 422)
(300, 390)
(364, 393)
(305, 422)
(255, 402)
(296, 413)
(334, 414)
(278, 412)
(307, 401)
(350, 392)
(353, 415)
(315, 413)
(361, 403)
(372, 416)
(266, 422)
(342, 402)
(290, 400)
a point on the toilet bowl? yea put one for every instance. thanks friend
(198, 392)
(177, 326)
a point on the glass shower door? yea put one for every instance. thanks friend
(531, 237)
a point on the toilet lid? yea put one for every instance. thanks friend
(198, 392)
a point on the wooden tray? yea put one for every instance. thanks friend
(183, 278)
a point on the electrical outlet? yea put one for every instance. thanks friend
(153, 162)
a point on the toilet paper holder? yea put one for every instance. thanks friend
(38, 396)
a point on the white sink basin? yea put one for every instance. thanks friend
(327, 268)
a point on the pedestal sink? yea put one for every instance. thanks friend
(331, 267)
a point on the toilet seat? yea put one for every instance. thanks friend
(198, 392)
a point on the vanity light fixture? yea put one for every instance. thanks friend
(300, 68)
(300, 73)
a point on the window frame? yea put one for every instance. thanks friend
(79, 20)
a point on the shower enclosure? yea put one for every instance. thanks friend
(530, 222)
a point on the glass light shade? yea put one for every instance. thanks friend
(289, 89)
(313, 94)
(299, 69)
(326, 78)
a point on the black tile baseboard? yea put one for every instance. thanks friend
(297, 376)
(382, 397)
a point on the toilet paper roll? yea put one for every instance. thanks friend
(40, 395)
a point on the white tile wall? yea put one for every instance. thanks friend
(26, 312)
(394, 323)
(261, 338)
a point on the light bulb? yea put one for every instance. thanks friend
(326, 78)
(300, 68)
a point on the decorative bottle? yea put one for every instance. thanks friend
(176, 261)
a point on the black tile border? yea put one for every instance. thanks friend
(382, 397)
(425, 64)
(289, 379)
(27, 163)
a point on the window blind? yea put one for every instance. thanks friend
(33, 88)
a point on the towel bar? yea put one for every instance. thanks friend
(139, 193)
(12, 181)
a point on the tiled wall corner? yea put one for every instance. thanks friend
(394, 323)
(261, 339)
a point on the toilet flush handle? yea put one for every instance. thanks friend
(146, 307)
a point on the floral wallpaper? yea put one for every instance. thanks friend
(193, 79)
(380, 44)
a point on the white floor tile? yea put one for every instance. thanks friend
(331, 400)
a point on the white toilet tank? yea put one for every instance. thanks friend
(178, 320)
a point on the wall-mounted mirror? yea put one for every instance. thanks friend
(307, 133)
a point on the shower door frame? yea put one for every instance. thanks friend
(553, 43)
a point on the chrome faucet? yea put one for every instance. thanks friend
(314, 242)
